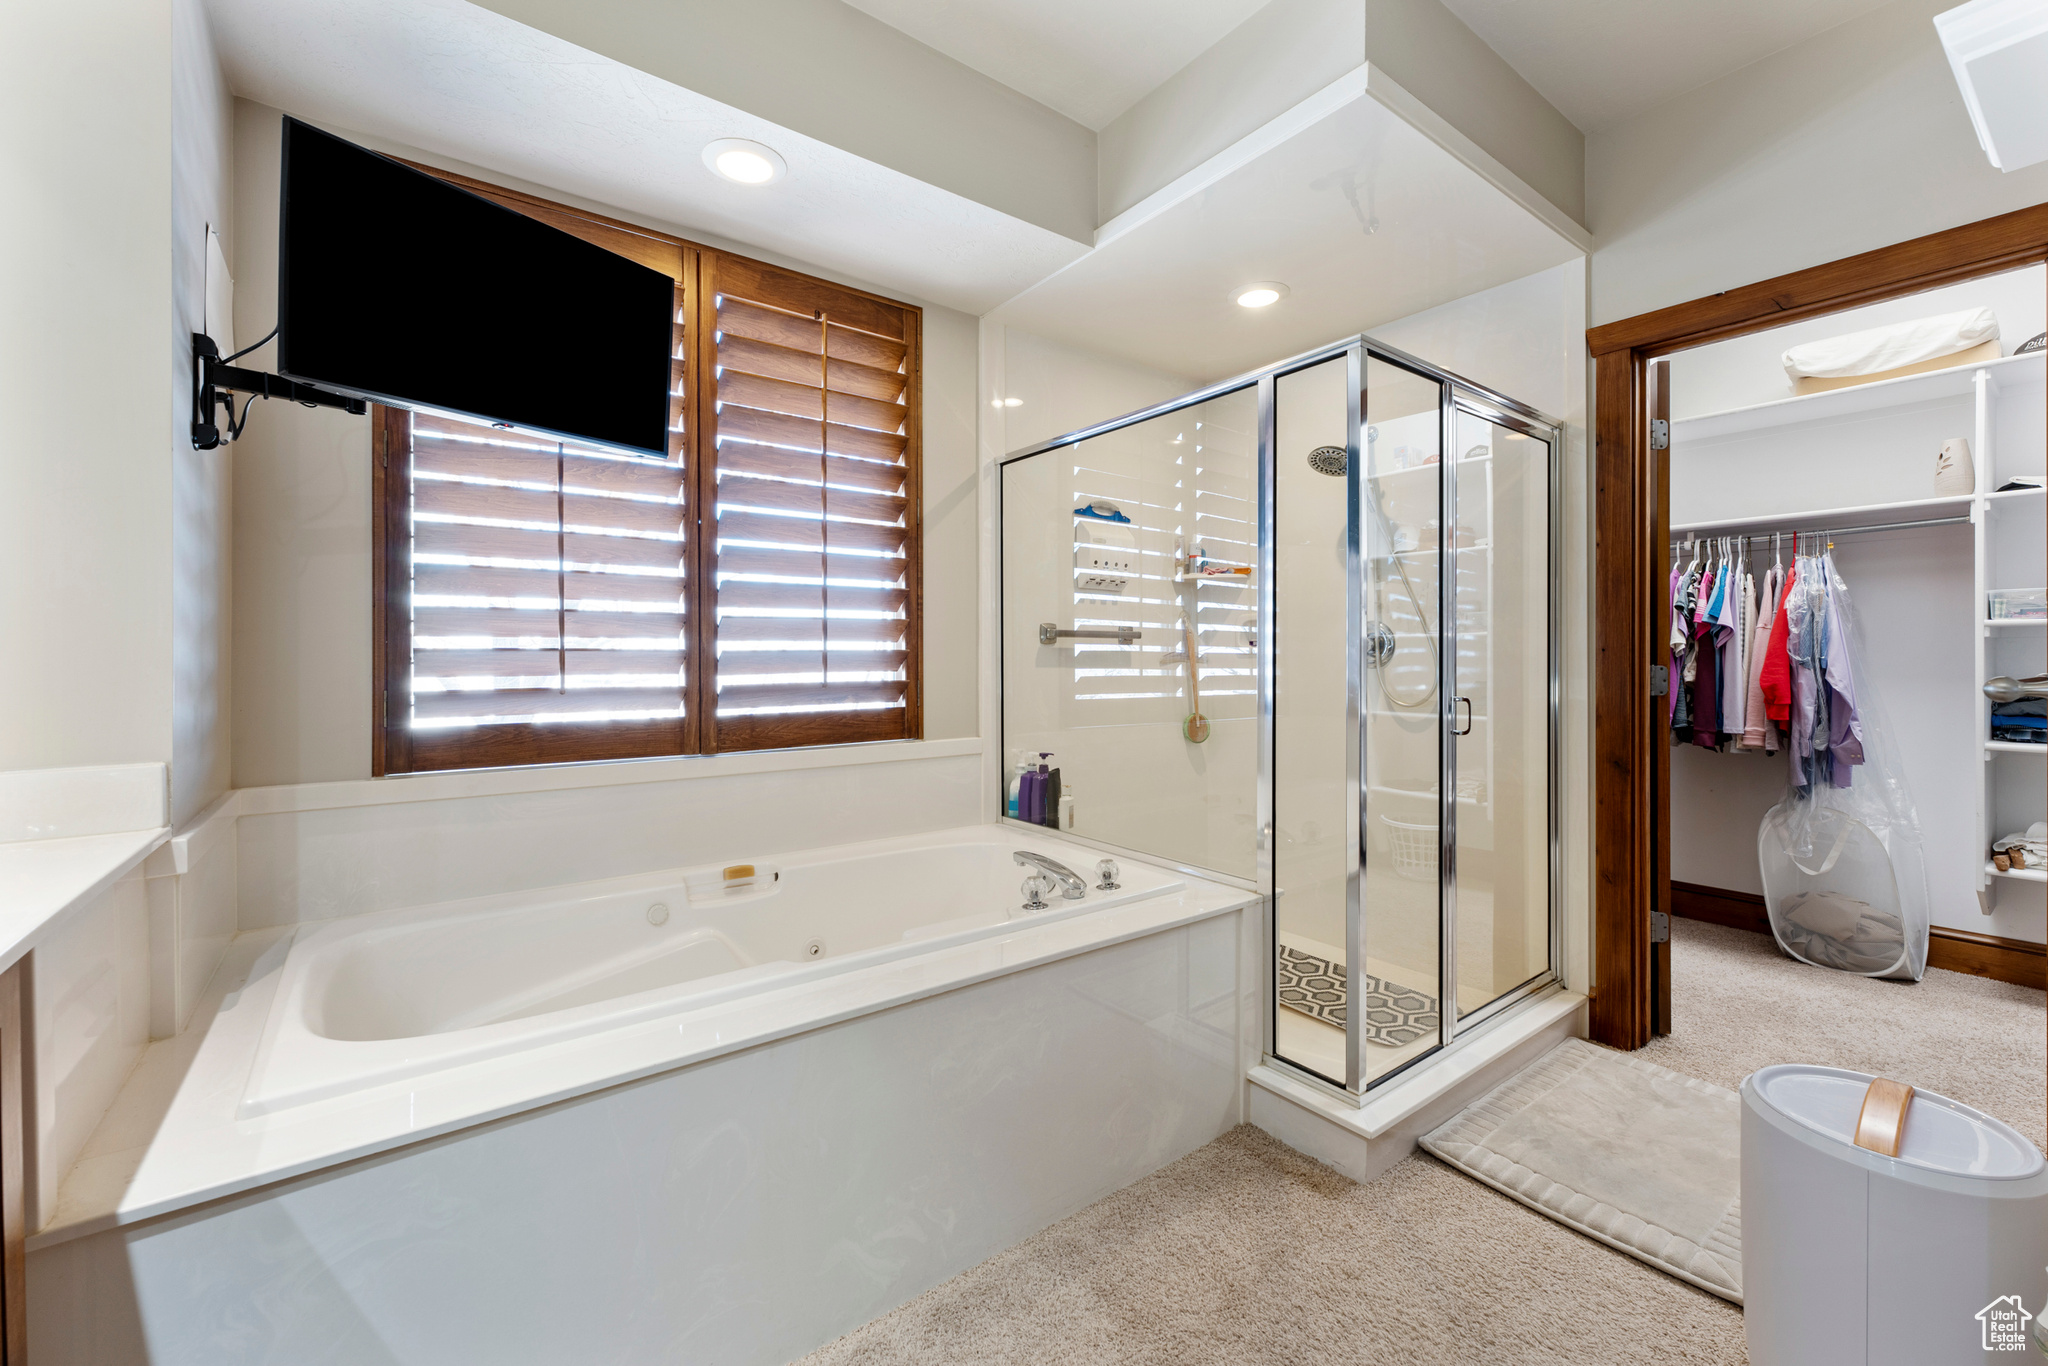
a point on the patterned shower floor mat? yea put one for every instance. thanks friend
(1394, 1015)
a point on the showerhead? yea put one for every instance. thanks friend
(1329, 460)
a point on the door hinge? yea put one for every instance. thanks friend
(1660, 680)
(1660, 434)
(1660, 928)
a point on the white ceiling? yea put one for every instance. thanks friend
(459, 81)
(1602, 61)
(1088, 59)
(1361, 216)
(1597, 61)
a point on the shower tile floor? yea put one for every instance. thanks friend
(1312, 1043)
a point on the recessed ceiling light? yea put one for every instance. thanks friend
(1261, 294)
(744, 162)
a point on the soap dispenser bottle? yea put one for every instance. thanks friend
(1027, 793)
(1031, 800)
(1011, 799)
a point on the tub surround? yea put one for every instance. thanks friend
(174, 1139)
(317, 851)
(742, 1210)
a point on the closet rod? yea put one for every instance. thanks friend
(1830, 532)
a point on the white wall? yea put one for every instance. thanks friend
(332, 849)
(302, 684)
(202, 196)
(1852, 140)
(1435, 58)
(1523, 340)
(86, 526)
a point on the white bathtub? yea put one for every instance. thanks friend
(380, 998)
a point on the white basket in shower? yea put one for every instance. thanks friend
(1415, 848)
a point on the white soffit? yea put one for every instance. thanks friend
(1087, 59)
(459, 81)
(1601, 61)
(1364, 217)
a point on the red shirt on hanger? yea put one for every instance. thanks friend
(1776, 679)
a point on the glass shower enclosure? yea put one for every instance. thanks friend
(1297, 630)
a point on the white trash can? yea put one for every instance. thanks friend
(1854, 1258)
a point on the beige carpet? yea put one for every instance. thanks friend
(1247, 1252)
(1738, 1004)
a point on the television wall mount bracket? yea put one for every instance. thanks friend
(215, 384)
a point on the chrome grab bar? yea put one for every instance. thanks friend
(1049, 633)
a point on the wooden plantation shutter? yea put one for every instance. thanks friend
(544, 601)
(535, 590)
(810, 406)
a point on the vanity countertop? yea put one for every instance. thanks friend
(42, 880)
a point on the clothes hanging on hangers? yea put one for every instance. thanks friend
(1762, 667)
(1760, 732)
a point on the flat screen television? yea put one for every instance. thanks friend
(399, 287)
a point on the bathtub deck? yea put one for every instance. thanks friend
(172, 1139)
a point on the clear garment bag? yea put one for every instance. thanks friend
(1844, 875)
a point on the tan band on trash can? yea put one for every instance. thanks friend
(1882, 1122)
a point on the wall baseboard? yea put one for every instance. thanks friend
(2018, 961)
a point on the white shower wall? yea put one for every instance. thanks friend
(1523, 339)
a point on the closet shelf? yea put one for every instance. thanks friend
(2022, 874)
(1835, 519)
(1958, 382)
(2013, 747)
(2016, 621)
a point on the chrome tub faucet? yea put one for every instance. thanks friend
(1072, 887)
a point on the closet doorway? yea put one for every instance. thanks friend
(1704, 441)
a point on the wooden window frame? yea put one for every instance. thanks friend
(1631, 542)
(396, 748)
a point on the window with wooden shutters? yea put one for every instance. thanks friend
(545, 601)
(811, 409)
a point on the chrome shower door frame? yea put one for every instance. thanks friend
(1457, 394)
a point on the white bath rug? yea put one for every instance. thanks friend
(1644, 1159)
(1394, 1015)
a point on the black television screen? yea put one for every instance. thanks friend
(400, 287)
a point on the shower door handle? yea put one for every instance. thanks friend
(1466, 703)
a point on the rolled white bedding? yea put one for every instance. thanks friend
(1888, 348)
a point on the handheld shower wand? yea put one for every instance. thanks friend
(1381, 644)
